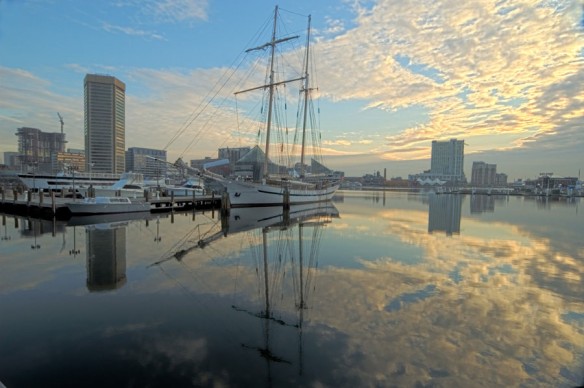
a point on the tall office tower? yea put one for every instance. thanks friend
(448, 160)
(105, 124)
(483, 174)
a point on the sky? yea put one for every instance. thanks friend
(504, 76)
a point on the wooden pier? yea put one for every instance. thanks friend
(49, 205)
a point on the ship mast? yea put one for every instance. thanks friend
(306, 92)
(271, 85)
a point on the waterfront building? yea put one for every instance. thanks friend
(35, 148)
(150, 162)
(501, 180)
(232, 154)
(448, 159)
(105, 123)
(483, 174)
(216, 166)
(72, 159)
(446, 164)
(11, 159)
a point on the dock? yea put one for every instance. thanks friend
(49, 205)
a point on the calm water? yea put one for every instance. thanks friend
(383, 289)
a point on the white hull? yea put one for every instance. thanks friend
(64, 182)
(242, 219)
(243, 194)
(89, 206)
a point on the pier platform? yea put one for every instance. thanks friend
(48, 205)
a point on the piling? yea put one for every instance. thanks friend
(286, 199)
(225, 203)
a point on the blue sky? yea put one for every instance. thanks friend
(504, 76)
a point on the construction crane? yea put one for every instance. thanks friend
(61, 120)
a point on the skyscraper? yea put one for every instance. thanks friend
(105, 123)
(448, 160)
(483, 174)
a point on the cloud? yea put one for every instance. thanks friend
(22, 90)
(168, 11)
(502, 77)
(487, 54)
(131, 31)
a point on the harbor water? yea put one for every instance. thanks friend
(376, 289)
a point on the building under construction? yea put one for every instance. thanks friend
(35, 148)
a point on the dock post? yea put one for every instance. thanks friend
(225, 203)
(28, 198)
(41, 197)
(172, 199)
(3, 195)
(286, 199)
(53, 204)
(15, 195)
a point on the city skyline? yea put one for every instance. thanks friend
(504, 77)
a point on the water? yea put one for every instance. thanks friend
(385, 289)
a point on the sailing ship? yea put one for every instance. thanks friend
(291, 187)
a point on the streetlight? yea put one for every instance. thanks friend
(157, 238)
(35, 245)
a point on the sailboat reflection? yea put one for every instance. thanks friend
(282, 242)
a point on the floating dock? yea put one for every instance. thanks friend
(49, 205)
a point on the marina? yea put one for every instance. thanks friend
(372, 289)
(202, 224)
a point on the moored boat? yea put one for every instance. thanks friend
(66, 181)
(107, 205)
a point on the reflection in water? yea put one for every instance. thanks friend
(385, 302)
(444, 213)
(106, 256)
(482, 204)
(283, 246)
(286, 246)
